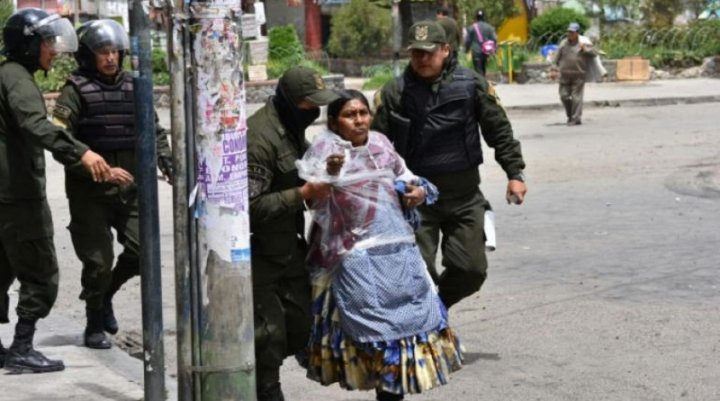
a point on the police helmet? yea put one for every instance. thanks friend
(27, 28)
(96, 36)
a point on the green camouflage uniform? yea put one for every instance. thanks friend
(96, 208)
(459, 212)
(26, 228)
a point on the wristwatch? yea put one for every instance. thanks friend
(519, 176)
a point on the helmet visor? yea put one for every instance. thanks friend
(104, 34)
(58, 33)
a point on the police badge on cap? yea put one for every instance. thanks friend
(426, 36)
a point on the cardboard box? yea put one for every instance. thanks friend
(633, 69)
(257, 72)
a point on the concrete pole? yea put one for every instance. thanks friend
(179, 60)
(150, 274)
(397, 36)
(225, 365)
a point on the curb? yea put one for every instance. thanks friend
(622, 103)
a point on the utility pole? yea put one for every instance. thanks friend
(216, 349)
(183, 166)
(397, 36)
(150, 278)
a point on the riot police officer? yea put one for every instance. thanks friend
(97, 106)
(33, 38)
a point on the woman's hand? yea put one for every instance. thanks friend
(414, 195)
(334, 164)
(315, 191)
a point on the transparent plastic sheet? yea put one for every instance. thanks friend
(363, 210)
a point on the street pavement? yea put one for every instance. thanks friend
(115, 375)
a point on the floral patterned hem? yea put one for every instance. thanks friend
(401, 366)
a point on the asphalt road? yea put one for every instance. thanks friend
(605, 284)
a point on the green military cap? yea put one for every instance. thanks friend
(305, 83)
(426, 36)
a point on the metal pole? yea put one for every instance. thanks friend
(181, 217)
(397, 36)
(226, 363)
(151, 288)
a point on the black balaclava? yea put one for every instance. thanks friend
(294, 119)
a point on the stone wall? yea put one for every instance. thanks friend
(534, 73)
(256, 92)
(539, 73)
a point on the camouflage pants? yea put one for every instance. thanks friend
(461, 222)
(282, 315)
(91, 224)
(27, 253)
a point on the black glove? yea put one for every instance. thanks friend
(166, 167)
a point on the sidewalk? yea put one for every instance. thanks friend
(113, 375)
(610, 94)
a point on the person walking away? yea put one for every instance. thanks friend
(450, 25)
(281, 287)
(573, 61)
(33, 38)
(97, 106)
(432, 113)
(480, 42)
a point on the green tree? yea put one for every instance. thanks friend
(496, 11)
(6, 9)
(551, 26)
(359, 29)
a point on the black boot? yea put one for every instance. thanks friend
(94, 331)
(109, 322)
(3, 352)
(385, 396)
(23, 358)
(271, 393)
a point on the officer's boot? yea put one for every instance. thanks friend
(385, 396)
(110, 323)
(3, 352)
(21, 357)
(271, 393)
(94, 331)
(125, 269)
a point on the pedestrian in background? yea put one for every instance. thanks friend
(375, 311)
(480, 42)
(33, 38)
(432, 114)
(452, 30)
(573, 61)
(281, 286)
(97, 106)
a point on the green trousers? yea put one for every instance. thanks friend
(91, 224)
(460, 219)
(281, 306)
(27, 253)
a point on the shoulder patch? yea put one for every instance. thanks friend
(259, 180)
(493, 95)
(377, 99)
